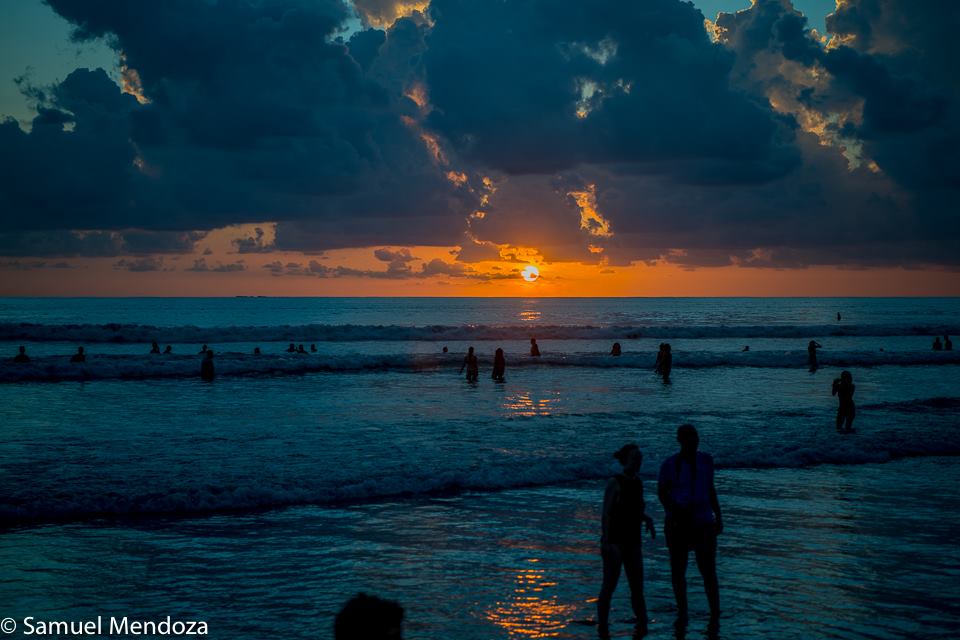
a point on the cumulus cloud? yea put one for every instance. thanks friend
(200, 265)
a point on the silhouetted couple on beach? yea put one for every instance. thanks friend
(693, 521)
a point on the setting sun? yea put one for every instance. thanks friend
(530, 273)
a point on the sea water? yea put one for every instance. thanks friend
(260, 502)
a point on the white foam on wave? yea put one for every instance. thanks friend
(136, 333)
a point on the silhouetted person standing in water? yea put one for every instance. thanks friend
(499, 366)
(947, 343)
(256, 351)
(203, 349)
(291, 348)
(937, 345)
(168, 350)
(664, 362)
(812, 347)
(366, 617)
(843, 388)
(534, 348)
(300, 349)
(472, 366)
(206, 367)
(621, 542)
(154, 348)
(839, 317)
(313, 348)
(21, 356)
(616, 350)
(693, 519)
(79, 356)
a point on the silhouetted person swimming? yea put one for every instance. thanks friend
(79, 356)
(534, 348)
(207, 372)
(366, 617)
(292, 348)
(154, 348)
(621, 541)
(746, 347)
(615, 350)
(445, 350)
(937, 345)
(21, 355)
(472, 365)
(812, 347)
(947, 343)
(693, 519)
(313, 348)
(168, 350)
(499, 366)
(843, 388)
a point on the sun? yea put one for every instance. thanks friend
(530, 273)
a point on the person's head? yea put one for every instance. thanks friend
(630, 457)
(80, 350)
(256, 350)
(203, 348)
(313, 347)
(533, 341)
(23, 349)
(616, 346)
(155, 343)
(445, 349)
(366, 617)
(470, 351)
(499, 352)
(688, 438)
(846, 377)
(666, 347)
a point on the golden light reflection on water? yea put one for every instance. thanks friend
(523, 404)
(529, 315)
(531, 611)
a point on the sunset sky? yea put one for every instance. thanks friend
(439, 147)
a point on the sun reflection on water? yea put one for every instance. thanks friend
(523, 404)
(531, 611)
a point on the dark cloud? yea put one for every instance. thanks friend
(200, 265)
(147, 263)
(607, 132)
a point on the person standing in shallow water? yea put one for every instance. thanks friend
(937, 345)
(693, 519)
(79, 356)
(843, 388)
(21, 356)
(621, 541)
(812, 347)
(616, 350)
(534, 348)
(207, 372)
(499, 366)
(472, 365)
(947, 343)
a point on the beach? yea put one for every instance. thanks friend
(262, 501)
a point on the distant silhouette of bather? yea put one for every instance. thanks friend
(812, 347)
(203, 349)
(839, 317)
(256, 351)
(616, 350)
(693, 519)
(154, 348)
(534, 348)
(843, 388)
(947, 343)
(664, 364)
(300, 349)
(313, 348)
(621, 541)
(22, 355)
(79, 356)
(472, 365)
(366, 617)
(292, 348)
(207, 372)
(445, 350)
(168, 350)
(937, 345)
(746, 347)
(499, 366)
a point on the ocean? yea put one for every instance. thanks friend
(260, 502)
